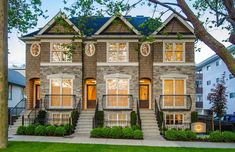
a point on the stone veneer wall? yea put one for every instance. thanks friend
(71, 70)
(129, 70)
(190, 83)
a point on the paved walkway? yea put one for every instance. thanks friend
(87, 140)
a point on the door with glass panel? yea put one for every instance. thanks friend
(174, 91)
(144, 96)
(117, 93)
(91, 95)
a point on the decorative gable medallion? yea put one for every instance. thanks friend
(90, 49)
(145, 49)
(35, 49)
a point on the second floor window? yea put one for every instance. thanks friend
(117, 52)
(174, 52)
(60, 52)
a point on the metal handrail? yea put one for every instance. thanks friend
(47, 100)
(159, 118)
(129, 98)
(94, 121)
(16, 110)
(186, 99)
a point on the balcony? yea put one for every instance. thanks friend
(175, 103)
(117, 102)
(60, 102)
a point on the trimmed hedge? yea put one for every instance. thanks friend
(133, 118)
(42, 130)
(226, 136)
(41, 118)
(117, 133)
(99, 117)
(182, 135)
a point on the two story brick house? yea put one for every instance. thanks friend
(111, 65)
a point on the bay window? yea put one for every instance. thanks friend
(117, 52)
(173, 91)
(173, 52)
(60, 52)
(61, 93)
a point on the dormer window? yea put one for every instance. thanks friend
(117, 52)
(60, 52)
(173, 52)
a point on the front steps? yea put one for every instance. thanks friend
(149, 125)
(84, 125)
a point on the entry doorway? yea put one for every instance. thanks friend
(37, 96)
(145, 93)
(90, 93)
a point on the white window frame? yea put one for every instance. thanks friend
(61, 107)
(185, 89)
(60, 118)
(117, 120)
(174, 44)
(107, 52)
(174, 118)
(128, 89)
(51, 43)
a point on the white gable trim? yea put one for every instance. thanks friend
(52, 21)
(169, 19)
(123, 19)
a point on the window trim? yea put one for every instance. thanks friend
(117, 120)
(107, 52)
(128, 89)
(173, 42)
(51, 61)
(185, 91)
(174, 118)
(60, 107)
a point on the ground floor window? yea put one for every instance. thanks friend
(61, 92)
(174, 119)
(117, 90)
(118, 119)
(60, 119)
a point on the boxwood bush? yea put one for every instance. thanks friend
(60, 131)
(116, 132)
(127, 132)
(226, 136)
(30, 129)
(182, 135)
(136, 127)
(40, 130)
(96, 133)
(51, 130)
(21, 130)
(106, 132)
(138, 134)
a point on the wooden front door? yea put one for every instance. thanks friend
(144, 96)
(91, 96)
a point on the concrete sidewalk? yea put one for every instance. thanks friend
(87, 140)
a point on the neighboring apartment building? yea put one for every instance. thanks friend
(16, 86)
(112, 66)
(212, 70)
(199, 92)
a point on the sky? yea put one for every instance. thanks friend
(17, 47)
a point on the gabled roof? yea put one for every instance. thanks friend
(172, 16)
(123, 19)
(52, 21)
(16, 78)
(213, 58)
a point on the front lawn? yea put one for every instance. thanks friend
(59, 147)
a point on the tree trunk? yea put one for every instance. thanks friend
(3, 74)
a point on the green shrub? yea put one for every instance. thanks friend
(216, 136)
(160, 119)
(68, 129)
(183, 135)
(40, 130)
(21, 130)
(194, 116)
(127, 133)
(30, 129)
(50, 130)
(99, 117)
(96, 132)
(74, 116)
(106, 132)
(116, 132)
(60, 131)
(41, 118)
(228, 136)
(136, 127)
(138, 134)
(133, 118)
